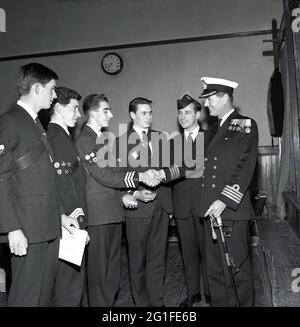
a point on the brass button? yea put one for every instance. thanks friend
(213, 176)
(205, 159)
(215, 158)
(214, 167)
(202, 185)
(213, 185)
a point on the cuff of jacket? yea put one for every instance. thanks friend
(231, 196)
(172, 173)
(131, 179)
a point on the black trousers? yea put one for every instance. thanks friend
(69, 284)
(147, 242)
(190, 253)
(104, 264)
(33, 275)
(219, 286)
(5, 264)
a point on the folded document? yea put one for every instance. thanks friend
(72, 246)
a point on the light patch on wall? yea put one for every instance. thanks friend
(2, 20)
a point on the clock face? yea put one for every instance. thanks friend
(112, 63)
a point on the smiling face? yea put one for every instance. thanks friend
(217, 105)
(69, 113)
(46, 94)
(102, 115)
(188, 118)
(143, 116)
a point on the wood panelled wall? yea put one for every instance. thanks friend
(266, 176)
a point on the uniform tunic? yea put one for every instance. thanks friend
(105, 215)
(71, 182)
(230, 159)
(29, 202)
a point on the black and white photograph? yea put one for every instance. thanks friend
(149, 156)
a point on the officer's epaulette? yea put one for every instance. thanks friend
(90, 158)
(240, 125)
(65, 167)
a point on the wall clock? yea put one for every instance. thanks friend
(112, 63)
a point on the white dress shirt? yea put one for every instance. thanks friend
(27, 108)
(226, 116)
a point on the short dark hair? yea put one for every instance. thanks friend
(34, 73)
(133, 104)
(64, 96)
(92, 101)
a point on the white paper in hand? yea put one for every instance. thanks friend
(71, 246)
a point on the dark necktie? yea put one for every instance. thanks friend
(145, 142)
(188, 151)
(145, 139)
(44, 139)
(190, 139)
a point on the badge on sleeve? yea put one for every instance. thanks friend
(2, 149)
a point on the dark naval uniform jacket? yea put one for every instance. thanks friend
(71, 174)
(103, 196)
(230, 159)
(28, 198)
(164, 195)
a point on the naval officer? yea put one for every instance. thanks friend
(230, 158)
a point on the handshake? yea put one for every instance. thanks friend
(152, 177)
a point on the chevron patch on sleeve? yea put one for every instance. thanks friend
(77, 213)
(129, 179)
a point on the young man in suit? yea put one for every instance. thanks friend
(146, 226)
(30, 214)
(105, 212)
(230, 158)
(71, 181)
(186, 199)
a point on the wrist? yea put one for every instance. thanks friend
(141, 177)
(136, 195)
(162, 174)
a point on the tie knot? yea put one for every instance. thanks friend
(190, 136)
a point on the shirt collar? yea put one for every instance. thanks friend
(226, 116)
(60, 124)
(140, 130)
(193, 133)
(27, 108)
(94, 128)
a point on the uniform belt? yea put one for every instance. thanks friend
(27, 159)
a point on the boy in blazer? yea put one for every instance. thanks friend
(29, 204)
